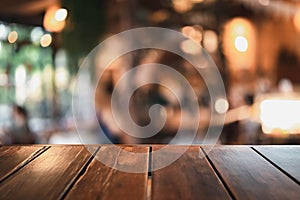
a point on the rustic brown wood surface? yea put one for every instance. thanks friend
(223, 172)
(189, 177)
(286, 158)
(103, 182)
(250, 176)
(47, 176)
(13, 158)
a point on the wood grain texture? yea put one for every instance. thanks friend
(13, 157)
(250, 176)
(46, 176)
(103, 182)
(189, 177)
(285, 157)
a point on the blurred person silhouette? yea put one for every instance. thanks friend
(19, 132)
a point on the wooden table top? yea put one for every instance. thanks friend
(226, 172)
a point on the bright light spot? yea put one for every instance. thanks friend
(36, 34)
(46, 40)
(221, 106)
(280, 116)
(20, 80)
(48, 74)
(12, 37)
(239, 29)
(285, 85)
(192, 32)
(210, 41)
(3, 79)
(297, 20)
(241, 43)
(50, 22)
(61, 78)
(20, 75)
(0, 46)
(187, 30)
(190, 47)
(264, 2)
(61, 72)
(3, 32)
(35, 87)
(61, 14)
(61, 58)
(182, 6)
(197, 1)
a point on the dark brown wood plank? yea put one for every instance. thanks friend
(47, 176)
(250, 176)
(189, 177)
(103, 182)
(13, 157)
(285, 157)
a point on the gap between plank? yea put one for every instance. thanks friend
(218, 175)
(150, 162)
(149, 177)
(24, 163)
(275, 165)
(80, 173)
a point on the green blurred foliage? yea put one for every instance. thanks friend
(85, 24)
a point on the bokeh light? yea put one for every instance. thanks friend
(61, 14)
(50, 22)
(190, 47)
(36, 34)
(297, 20)
(3, 31)
(12, 37)
(182, 6)
(264, 2)
(210, 41)
(221, 106)
(193, 32)
(241, 43)
(46, 40)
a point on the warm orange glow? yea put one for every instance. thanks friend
(280, 116)
(159, 16)
(210, 41)
(297, 20)
(239, 41)
(264, 2)
(182, 6)
(192, 32)
(197, 1)
(12, 37)
(51, 23)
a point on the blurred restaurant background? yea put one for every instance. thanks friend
(254, 43)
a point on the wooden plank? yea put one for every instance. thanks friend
(13, 157)
(103, 182)
(285, 157)
(189, 177)
(47, 176)
(250, 176)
